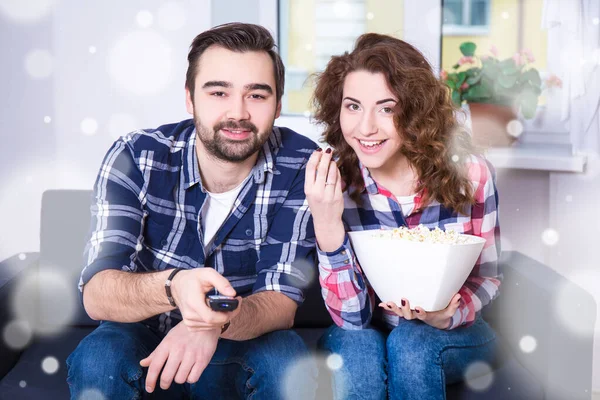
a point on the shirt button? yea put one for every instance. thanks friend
(343, 252)
(248, 232)
(346, 261)
(164, 242)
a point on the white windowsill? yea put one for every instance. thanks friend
(537, 156)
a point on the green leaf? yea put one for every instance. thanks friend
(477, 93)
(472, 80)
(456, 97)
(462, 76)
(528, 102)
(468, 49)
(451, 84)
(532, 75)
(456, 66)
(507, 81)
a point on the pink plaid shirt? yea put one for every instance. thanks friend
(348, 296)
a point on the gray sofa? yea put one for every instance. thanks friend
(560, 367)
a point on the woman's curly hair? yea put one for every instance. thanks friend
(424, 117)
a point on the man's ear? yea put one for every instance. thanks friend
(278, 110)
(189, 103)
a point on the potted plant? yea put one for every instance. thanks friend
(495, 90)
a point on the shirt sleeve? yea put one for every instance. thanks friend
(287, 257)
(483, 283)
(116, 224)
(348, 296)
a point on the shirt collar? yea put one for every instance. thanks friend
(264, 163)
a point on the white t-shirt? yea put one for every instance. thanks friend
(407, 203)
(215, 211)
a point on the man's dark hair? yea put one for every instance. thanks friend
(237, 37)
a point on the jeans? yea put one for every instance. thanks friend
(416, 360)
(106, 363)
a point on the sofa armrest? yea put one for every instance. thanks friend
(10, 270)
(538, 302)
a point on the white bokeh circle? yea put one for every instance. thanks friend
(39, 63)
(91, 394)
(45, 300)
(50, 365)
(335, 362)
(573, 314)
(120, 124)
(47, 119)
(514, 128)
(292, 387)
(92, 49)
(17, 334)
(89, 126)
(528, 344)
(26, 11)
(171, 16)
(479, 376)
(144, 19)
(22, 384)
(370, 16)
(141, 63)
(550, 237)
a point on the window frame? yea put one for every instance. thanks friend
(467, 29)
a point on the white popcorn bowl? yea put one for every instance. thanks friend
(426, 274)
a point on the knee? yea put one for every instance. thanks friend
(103, 355)
(368, 343)
(410, 348)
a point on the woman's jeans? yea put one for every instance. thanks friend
(416, 360)
(107, 361)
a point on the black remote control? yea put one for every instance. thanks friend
(222, 303)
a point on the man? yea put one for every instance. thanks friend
(214, 202)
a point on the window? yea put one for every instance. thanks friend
(311, 32)
(466, 17)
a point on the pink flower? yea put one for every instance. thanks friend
(528, 55)
(553, 81)
(484, 57)
(494, 50)
(464, 86)
(444, 75)
(466, 60)
(517, 58)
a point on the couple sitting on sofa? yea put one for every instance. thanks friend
(229, 191)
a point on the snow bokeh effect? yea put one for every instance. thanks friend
(91, 394)
(22, 384)
(291, 386)
(50, 365)
(334, 362)
(141, 63)
(45, 300)
(39, 63)
(528, 344)
(550, 237)
(26, 11)
(479, 376)
(144, 19)
(17, 334)
(514, 128)
(89, 126)
(308, 271)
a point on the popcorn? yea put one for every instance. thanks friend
(422, 234)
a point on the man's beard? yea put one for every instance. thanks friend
(227, 149)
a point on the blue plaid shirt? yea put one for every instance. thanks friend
(146, 214)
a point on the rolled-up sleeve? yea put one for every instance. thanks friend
(117, 215)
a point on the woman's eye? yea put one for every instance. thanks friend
(353, 107)
(387, 110)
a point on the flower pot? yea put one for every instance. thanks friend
(489, 124)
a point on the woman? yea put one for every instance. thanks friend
(402, 160)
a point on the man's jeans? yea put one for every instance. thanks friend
(415, 360)
(107, 361)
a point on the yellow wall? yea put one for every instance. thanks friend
(388, 17)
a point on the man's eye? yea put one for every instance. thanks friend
(218, 94)
(257, 96)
